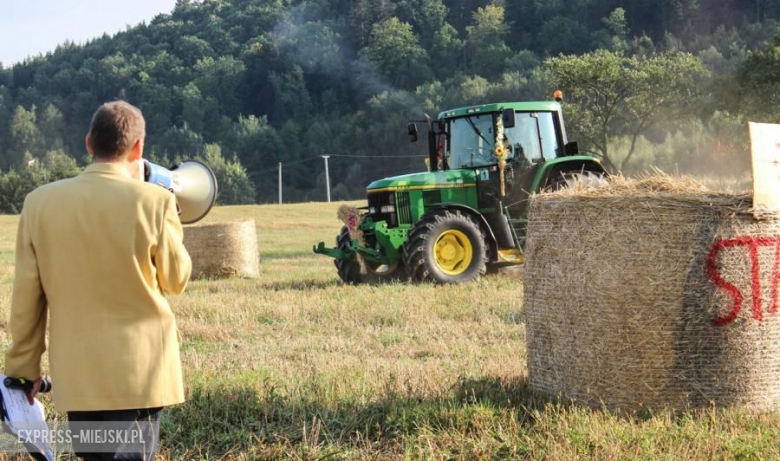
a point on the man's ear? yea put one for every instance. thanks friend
(137, 152)
(88, 143)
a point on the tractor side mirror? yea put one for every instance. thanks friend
(508, 118)
(412, 130)
(572, 148)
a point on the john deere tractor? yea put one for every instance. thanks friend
(468, 212)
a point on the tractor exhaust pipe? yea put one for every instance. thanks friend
(433, 157)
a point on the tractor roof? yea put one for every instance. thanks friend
(528, 106)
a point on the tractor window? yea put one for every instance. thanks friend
(549, 138)
(471, 141)
(533, 136)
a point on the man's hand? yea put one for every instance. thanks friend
(31, 393)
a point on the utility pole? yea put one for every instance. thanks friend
(327, 175)
(280, 183)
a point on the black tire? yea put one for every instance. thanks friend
(419, 249)
(572, 179)
(351, 272)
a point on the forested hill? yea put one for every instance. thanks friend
(258, 82)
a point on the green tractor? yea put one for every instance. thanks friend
(469, 211)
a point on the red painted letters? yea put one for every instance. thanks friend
(752, 244)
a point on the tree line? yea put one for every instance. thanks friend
(246, 84)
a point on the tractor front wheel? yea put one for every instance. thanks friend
(348, 269)
(445, 247)
(351, 272)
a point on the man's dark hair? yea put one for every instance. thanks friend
(115, 128)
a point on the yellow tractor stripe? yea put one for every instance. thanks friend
(426, 187)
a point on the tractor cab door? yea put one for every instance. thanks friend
(471, 143)
(537, 137)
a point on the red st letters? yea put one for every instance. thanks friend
(752, 244)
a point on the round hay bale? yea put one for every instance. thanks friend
(223, 249)
(653, 294)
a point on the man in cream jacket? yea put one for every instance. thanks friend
(97, 253)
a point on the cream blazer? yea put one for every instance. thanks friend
(97, 252)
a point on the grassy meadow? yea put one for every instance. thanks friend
(296, 365)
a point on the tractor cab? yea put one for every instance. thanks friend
(466, 137)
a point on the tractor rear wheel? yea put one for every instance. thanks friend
(445, 247)
(352, 273)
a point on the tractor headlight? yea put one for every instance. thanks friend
(388, 209)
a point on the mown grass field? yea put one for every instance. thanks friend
(297, 365)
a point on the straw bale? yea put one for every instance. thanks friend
(352, 220)
(221, 250)
(624, 286)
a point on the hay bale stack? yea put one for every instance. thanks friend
(629, 291)
(223, 249)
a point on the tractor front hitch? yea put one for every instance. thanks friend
(332, 252)
(369, 254)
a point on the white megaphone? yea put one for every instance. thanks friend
(193, 183)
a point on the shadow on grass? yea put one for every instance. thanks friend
(222, 418)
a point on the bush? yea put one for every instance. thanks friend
(17, 183)
(235, 187)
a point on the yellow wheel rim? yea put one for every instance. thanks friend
(453, 252)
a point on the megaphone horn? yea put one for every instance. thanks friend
(193, 183)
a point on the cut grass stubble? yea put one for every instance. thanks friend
(296, 365)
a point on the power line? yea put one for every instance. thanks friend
(298, 162)
(286, 164)
(378, 156)
(373, 171)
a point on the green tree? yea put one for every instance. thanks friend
(617, 24)
(437, 36)
(680, 13)
(16, 184)
(193, 107)
(59, 165)
(396, 51)
(487, 48)
(158, 104)
(291, 98)
(758, 83)
(180, 142)
(192, 49)
(363, 14)
(523, 61)
(25, 135)
(219, 79)
(563, 34)
(291, 136)
(258, 147)
(235, 187)
(610, 95)
(52, 127)
(5, 124)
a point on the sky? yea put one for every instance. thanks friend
(32, 27)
